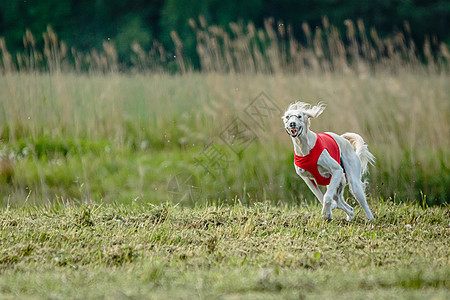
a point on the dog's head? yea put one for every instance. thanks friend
(296, 118)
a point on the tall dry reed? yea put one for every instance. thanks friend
(243, 48)
(132, 134)
(276, 50)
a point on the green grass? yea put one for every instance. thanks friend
(120, 139)
(219, 252)
(101, 194)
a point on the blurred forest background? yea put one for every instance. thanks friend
(142, 26)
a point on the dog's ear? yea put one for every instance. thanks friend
(315, 111)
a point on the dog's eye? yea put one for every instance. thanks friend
(299, 116)
(287, 117)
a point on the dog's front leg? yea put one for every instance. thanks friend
(337, 173)
(336, 178)
(314, 188)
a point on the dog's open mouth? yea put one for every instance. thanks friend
(294, 132)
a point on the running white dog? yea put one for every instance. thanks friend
(328, 159)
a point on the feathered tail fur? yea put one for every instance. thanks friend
(361, 150)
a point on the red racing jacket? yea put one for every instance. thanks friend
(309, 162)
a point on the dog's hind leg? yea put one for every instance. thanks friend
(352, 166)
(356, 188)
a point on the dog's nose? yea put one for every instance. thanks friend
(292, 124)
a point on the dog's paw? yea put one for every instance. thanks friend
(327, 208)
(327, 216)
(349, 214)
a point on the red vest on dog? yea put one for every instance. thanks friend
(309, 162)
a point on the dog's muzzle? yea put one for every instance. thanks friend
(294, 131)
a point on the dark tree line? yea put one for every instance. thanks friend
(85, 24)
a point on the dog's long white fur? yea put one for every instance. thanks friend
(355, 157)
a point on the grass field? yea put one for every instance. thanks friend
(140, 184)
(107, 190)
(223, 252)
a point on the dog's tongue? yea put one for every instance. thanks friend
(294, 131)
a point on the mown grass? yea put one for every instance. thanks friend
(226, 251)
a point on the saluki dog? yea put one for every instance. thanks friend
(328, 159)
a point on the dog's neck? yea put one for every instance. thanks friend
(304, 143)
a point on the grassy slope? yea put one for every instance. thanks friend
(230, 252)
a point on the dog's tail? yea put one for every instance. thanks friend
(361, 150)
